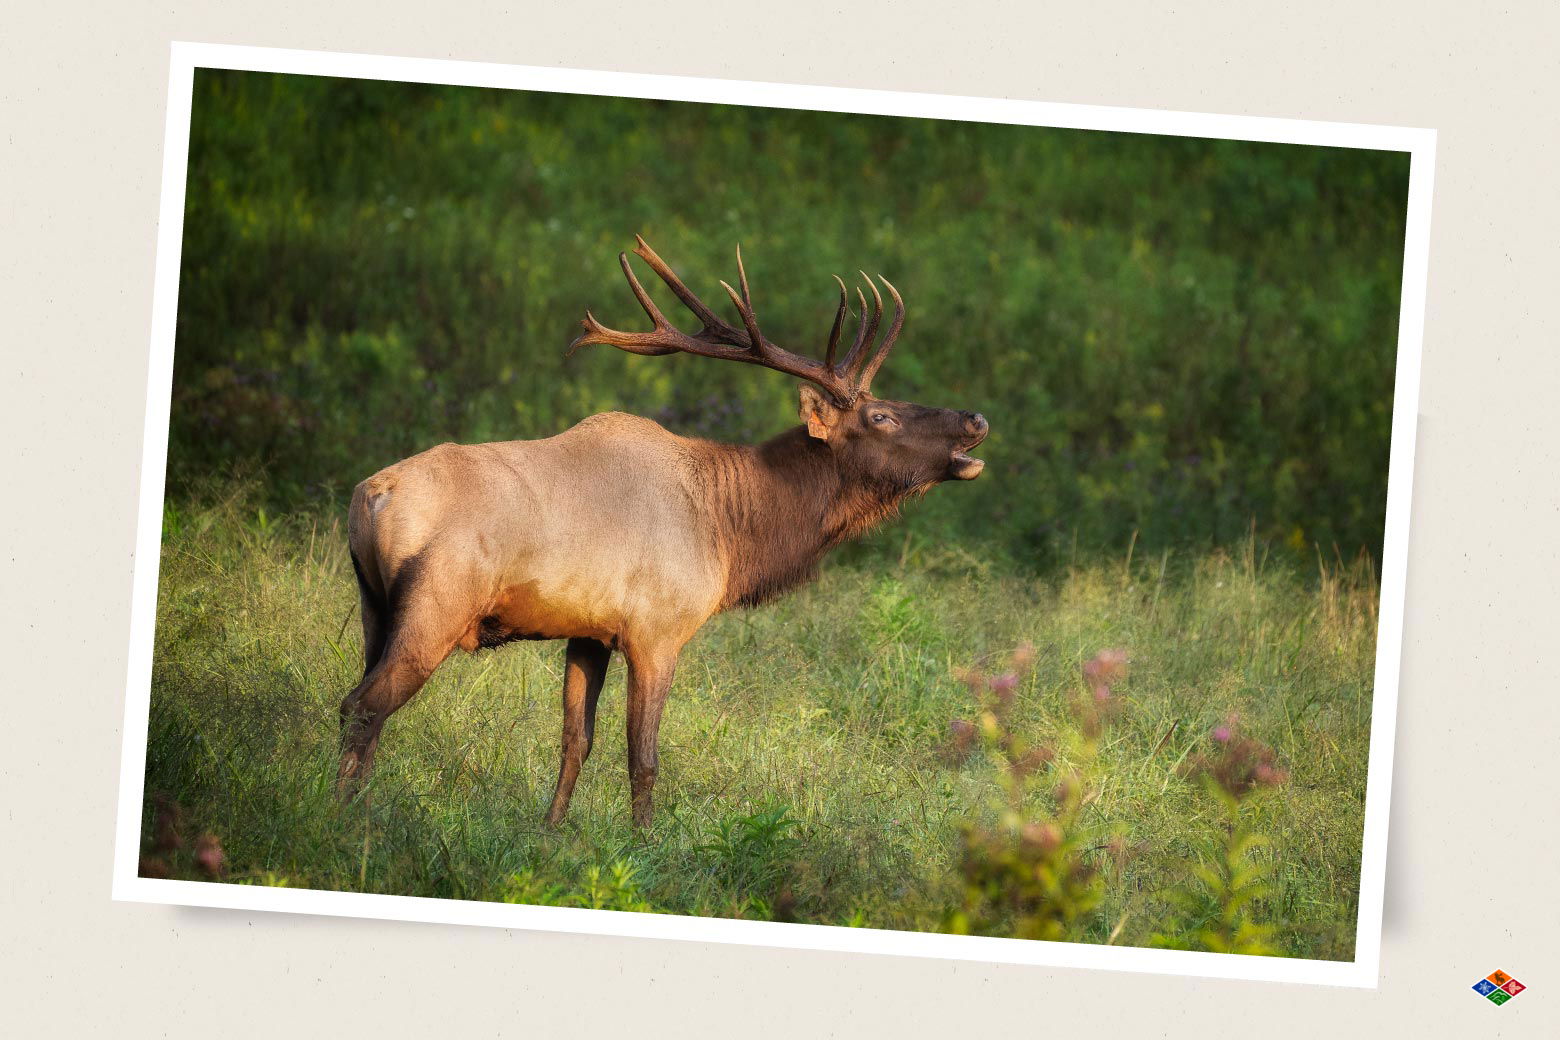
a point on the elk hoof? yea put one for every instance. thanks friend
(348, 784)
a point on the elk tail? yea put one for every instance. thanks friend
(373, 597)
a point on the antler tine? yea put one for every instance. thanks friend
(711, 321)
(641, 295)
(866, 331)
(749, 321)
(865, 382)
(747, 297)
(635, 342)
(843, 368)
(839, 323)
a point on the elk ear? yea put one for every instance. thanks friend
(818, 412)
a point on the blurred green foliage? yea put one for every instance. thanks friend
(1176, 337)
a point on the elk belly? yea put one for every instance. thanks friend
(523, 611)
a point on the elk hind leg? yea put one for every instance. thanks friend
(400, 672)
(584, 671)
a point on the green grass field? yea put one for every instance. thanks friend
(804, 766)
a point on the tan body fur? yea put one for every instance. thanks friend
(503, 548)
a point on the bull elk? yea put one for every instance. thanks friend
(619, 535)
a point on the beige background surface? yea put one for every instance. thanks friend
(1472, 851)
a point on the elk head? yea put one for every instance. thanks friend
(903, 446)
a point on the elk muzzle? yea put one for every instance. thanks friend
(961, 466)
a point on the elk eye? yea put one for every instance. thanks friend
(879, 418)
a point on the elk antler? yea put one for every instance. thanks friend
(845, 381)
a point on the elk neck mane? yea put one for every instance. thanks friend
(778, 507)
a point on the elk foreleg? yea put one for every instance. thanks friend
(649, 679)
(584, 671)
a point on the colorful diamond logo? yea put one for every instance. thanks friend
(1497, 987)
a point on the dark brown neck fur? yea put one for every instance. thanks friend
(779, 506)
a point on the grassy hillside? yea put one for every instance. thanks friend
(806, 771)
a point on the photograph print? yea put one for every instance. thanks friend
(746, 513)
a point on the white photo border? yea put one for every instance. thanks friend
(1418, 143)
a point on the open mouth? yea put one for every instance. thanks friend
(962, 465)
